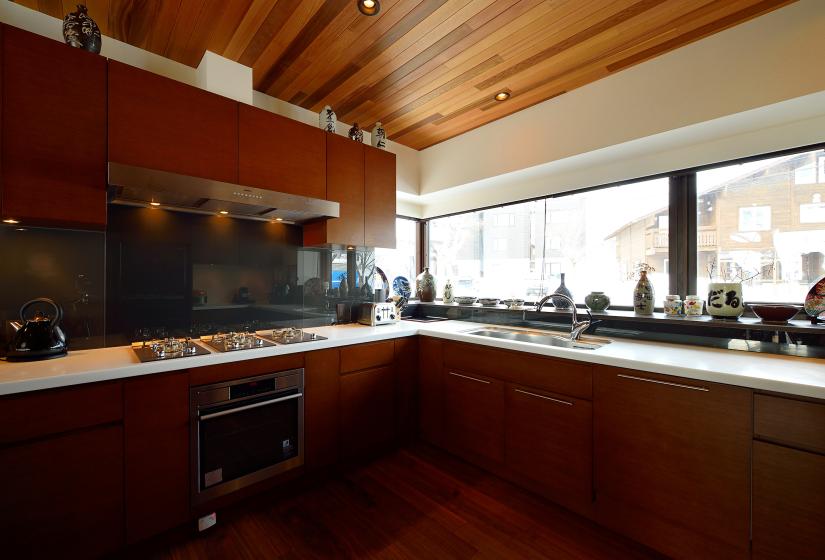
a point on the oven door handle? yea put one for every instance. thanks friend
(247, 407)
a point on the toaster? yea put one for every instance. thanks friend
(374, 314)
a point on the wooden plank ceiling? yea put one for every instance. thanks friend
(427, 69)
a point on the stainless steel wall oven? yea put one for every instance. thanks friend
(245, 431)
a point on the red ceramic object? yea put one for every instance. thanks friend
(775, 313)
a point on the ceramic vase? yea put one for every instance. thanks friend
(725, 300)
(378, 138)
(327, 119)
(597, 301)
(560, 303)
(80, 31)
(343, 287)
(355, 133)
(425, 286)
(643, 295)
(448, 292)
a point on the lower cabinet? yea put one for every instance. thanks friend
(473, 417)
(673, 461)
(367, 412)
(156, 446)
(321, 408)
(62, 497)
(549, 445)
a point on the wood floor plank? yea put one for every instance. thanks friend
(417, 503)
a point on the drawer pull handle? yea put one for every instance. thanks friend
(679, 385)
(545, 397)
(470, 378)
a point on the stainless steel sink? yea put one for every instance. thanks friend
(540, 337)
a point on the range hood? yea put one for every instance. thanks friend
(139, 186)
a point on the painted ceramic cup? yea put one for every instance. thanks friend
(725, 300)
(597, 301)
(673, 306)
(694, 306)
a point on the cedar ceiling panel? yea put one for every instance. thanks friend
(426, 68)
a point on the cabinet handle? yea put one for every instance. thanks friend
(545, 397)
(470, 378)
(679, 385)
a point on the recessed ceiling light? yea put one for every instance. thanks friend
(350, 248)
(369, 7)
(502, 96)
(223, 212)
(10, 221)
(279, 219)
(155, 204)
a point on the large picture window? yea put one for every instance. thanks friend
(764, 219)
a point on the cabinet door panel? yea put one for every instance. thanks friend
(474, 417)
(549, 443)
(156, 424)
(788, 503)
(163, 124)
(280, 154)
(430, 390)
(406, 390)
(63, 497)
(379, 198)
(54, 132)
(672, 462)
(367, 412)
(321, 408)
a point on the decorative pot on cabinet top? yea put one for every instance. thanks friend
(80, 31)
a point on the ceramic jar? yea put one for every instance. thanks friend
(560, 303)
(355, 133)
(673, 306)
(725, 300)
(643, 295)
(694, 306)
(597, 301)
(448, 292)
(80, 31)
(425, 286)
(378, 138)
(327, 119)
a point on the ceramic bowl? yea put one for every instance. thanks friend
(488, 301)
(513, 303)
(464, 300)
(774, 313)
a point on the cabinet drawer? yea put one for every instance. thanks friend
(244, 368)
(366, 356)
(42, 413)
(556, 376)
(789, 421)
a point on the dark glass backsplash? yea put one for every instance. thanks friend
(157, 273)
(64, 265)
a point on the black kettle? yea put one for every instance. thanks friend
(39, 337)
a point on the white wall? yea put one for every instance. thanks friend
(771, 59)
(211, 77)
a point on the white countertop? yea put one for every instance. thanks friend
(769, 372)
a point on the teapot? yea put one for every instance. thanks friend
(38, 337)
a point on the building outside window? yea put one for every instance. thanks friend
(767, 218)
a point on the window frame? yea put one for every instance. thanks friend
(682, 216)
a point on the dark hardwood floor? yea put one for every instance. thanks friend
(417, 502)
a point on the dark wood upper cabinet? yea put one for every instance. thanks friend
(280, 154)
(156, 444)
(673, 462)
(345, 185)
(163, 124)
(379, 198)
(54, 132)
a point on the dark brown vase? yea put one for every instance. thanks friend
(80, 31)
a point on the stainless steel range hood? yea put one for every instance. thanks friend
(138, 186)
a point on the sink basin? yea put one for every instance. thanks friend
(540, 337)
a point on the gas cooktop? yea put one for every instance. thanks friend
(230, 342)
(167, 349)
(291, 335)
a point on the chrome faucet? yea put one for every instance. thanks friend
(577, 327)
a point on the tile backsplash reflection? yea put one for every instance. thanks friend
(64, 265)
